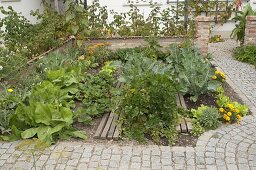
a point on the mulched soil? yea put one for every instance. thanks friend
(208, 99)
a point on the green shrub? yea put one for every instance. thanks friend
(207, 117)
(148, 106)
(246, 54)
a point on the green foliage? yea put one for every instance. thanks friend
(138, 64)
(148, 106)
(46, 113)
(197, 129)
(97, 91)
(205, 118)
(224, 102)
(9, 100)
(148, 100)
(210, 118)
(192, 70)
(21, 36)
(246, 54)
(239, 31)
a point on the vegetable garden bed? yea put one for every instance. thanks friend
(145, 108)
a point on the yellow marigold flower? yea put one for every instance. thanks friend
(221, 110)
(10, 90)
(217, 72)
(225, 116)
(231, 106)
(236, 110)
(229, 114)
(228, 118)
(214, 77)
(238, 117)
(222, 75)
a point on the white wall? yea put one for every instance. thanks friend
(23, 6)
(121, 5)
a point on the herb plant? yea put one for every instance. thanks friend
(148, 107)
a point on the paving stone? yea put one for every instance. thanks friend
(146, 164)
(232, 167)
(2, 162)
(135, 166)
(136, 159)
(114, 164)
(94, 164)
(136, 151)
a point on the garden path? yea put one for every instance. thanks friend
(229, 147)
(241, 76)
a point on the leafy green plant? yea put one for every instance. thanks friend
(246, 54)
(9, 100)
(98, 90)
(193, 72)
(210, 118)
(205, 118)
(239, 31)
(46, 113)
(148, 107)
(197, 129)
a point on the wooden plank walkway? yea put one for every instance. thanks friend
(109, 129)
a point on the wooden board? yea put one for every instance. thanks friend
(117, 132)
(182, 101)
(107, 126)
(189, 124)
(183, 127)
(101, 125)
(112, 127)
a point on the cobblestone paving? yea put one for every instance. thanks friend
(229, 147)
(241, 74)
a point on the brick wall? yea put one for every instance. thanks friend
(250, 30)
(203, 24)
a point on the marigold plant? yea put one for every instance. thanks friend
(230, 111)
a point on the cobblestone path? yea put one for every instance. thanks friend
(241, 74)
(229, 147)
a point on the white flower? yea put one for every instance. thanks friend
(1, 68)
